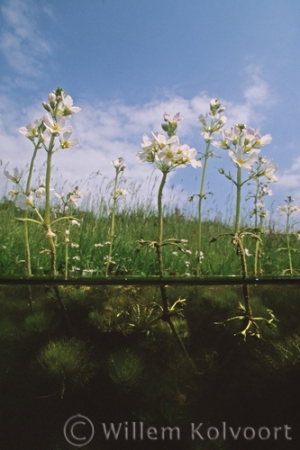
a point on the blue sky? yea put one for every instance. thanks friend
(127, 62)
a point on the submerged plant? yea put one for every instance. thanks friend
(125, 368)
(243, 145)
(67, 362)
(167, 154)
(288, 209)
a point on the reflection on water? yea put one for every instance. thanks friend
(107, 352)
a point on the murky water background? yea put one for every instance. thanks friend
(104, 352)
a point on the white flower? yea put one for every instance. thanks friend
(234, 134)
(269, 171)
(189, 156)
(172, 119)
(65, 142)
(74, 222)
(40, 192)
(282, 208)
(162, 141)
(266, 190)
(13, 193)
(121, 192)
(24, 202)
(201, 255)
(15, 176)
(61, 196)
(45, 135)
(56, 126)
(247, 253)
(237, 157)
(76, 258)
(256, 139)
(31, 130)
(117, 162)
(66, 107)
(74, 245)
(175, 253)
(221, 143)
(98, 245)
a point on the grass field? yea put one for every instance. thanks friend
(89, 245)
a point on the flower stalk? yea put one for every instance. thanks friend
(288, 209)
(208, 131)
(120, 167)
(168, 155)
(41, 132)
(243, 144)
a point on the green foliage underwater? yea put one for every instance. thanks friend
(108, 353)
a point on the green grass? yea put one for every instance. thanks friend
(220, 258)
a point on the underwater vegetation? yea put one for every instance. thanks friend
(110, 356)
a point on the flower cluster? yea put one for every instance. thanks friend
(167, 154)
(171, 123)
(217, 120)
(68, 200)
(243, 144)
(288, 208)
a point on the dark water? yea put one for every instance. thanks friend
(105, 360)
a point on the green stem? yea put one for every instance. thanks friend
(201, 196)
(47, 219)
(112, 227)
(25, 224)
(257, 270)
(160, 225)
(166, 316)
(257, 250)
(238, 199)
(66, 260)
(288, 243)
(48, 179)
(159, 246)
(241, 250)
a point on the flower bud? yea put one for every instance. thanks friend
(46, 106)
(51, 97)
(165, 127)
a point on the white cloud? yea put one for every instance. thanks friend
(258, 99)
(290, 178)
(108, 130)
(21, 42)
